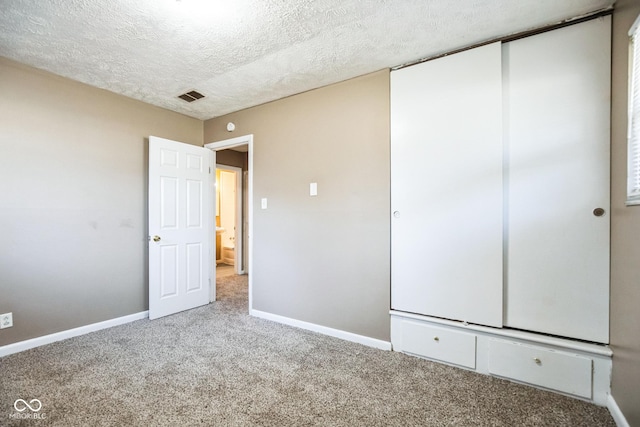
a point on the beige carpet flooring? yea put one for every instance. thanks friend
(216, 366)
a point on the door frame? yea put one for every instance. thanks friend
(238, 244)
(223, 145)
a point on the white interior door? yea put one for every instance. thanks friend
(557, 87)
(181, 210)
(446, 187)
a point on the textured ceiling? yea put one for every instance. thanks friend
(241, 53)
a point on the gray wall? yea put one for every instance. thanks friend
(73, 168)
(324, 259)
(625, 232)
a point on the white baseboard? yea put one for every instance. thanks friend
(69, 333)
(337, 333)
(616, 413)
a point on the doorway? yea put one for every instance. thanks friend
(242, 144)
(229, 218)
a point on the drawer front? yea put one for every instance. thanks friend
(443, 344)
(565, 372)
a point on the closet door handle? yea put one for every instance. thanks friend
(598, 212)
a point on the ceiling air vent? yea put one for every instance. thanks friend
(191, 96)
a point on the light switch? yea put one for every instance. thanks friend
(263, 203)
(313, 189)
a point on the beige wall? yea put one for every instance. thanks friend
(625, 233)
(233, 158)
(324, 259)
(73, 201)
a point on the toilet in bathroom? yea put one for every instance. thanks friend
(228, 255)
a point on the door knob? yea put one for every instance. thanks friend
(598, 211)
(156, 238)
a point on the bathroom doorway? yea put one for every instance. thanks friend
(229, 218)
(226, 148)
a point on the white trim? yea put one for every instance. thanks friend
(634, 26)
(633, 140)
(70, 333)
(616, 413)
(212, 226)
(336, 333)
(222, 145)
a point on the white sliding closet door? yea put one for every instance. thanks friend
(446, 187)
(557, 98)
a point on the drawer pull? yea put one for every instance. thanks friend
(537, 360)
(436, 339)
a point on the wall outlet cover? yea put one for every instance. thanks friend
(6, 320)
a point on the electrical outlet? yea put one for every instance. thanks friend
(6, 320)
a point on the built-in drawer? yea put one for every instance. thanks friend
(443, 344)
(565, 372)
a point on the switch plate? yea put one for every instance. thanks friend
(313, 189)
(263, 203)
(6, 320)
